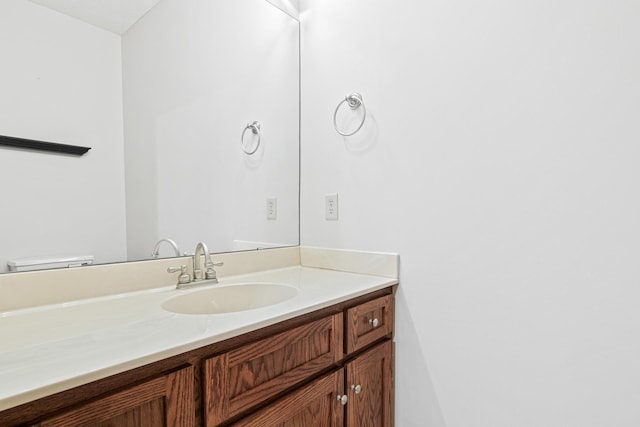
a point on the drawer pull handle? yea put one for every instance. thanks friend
(343, 399)
(356, 388)
(374, 322)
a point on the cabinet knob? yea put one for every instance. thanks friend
(356, 388)
(343, 399)
(374, 322)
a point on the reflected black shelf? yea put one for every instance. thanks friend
(32, 144)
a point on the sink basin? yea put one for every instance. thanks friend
(229, 299)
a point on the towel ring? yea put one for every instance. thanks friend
(255, 129)
(354, 101)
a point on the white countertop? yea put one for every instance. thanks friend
(53, 348)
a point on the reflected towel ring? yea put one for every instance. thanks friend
(255, 129)
(354, 101)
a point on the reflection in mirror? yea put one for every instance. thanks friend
(163, 106)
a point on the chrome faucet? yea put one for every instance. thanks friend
(210, 276)
(156, 249)
(209, 273)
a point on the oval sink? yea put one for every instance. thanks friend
(229, 299)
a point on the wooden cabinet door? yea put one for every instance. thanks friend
(164, 401)
(369, 388)
(315, 405)
(245, 377)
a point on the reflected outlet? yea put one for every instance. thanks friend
(272, 207)
(331, 207)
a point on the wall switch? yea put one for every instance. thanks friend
(272, 207)
(331, 207)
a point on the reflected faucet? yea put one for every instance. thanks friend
(210, 273)
(156, 249)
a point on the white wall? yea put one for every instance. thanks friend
(223, 64)
(60, 81)
(500, 159)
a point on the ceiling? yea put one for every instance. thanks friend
(112, 15)
(290, 7)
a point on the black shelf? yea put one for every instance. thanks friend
(31, 144)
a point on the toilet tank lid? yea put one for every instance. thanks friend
(46, 260)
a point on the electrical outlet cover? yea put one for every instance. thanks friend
(272, 208)
(331, 206)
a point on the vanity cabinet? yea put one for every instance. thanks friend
(359, 393)
(369, 385)
(314, 405)
(331, 367)
(163, 401)
(244, 377)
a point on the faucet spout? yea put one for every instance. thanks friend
(156, 250)
(201, 249)
(210, 273)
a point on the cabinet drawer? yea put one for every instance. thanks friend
(366, 323)
(314, 405)
(242, 378)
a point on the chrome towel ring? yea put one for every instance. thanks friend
(255, 129)
(354, 101)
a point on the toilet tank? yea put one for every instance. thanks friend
(47, 262)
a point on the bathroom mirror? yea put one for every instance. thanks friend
(163, 105)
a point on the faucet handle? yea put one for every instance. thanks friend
(184, 277)
(210, 273)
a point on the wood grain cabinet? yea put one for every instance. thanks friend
(244, 377)
(369, 384)
(368, 322)
(164, 401)
(359, 393)
(329, 368)
(314, 405)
